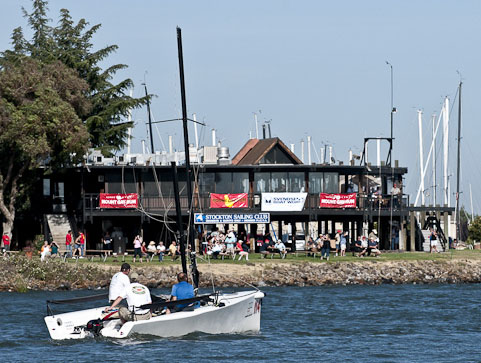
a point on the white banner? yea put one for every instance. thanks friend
(291, 202)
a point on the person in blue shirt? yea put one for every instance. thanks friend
(373, 248)
(181, 290)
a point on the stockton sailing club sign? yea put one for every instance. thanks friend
(118, 200)
(242, 218)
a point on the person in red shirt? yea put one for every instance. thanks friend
(81, 241)
(68, 243)
(6, 243)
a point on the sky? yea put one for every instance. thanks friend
(313, 68)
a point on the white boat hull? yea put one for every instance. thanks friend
(238, 313)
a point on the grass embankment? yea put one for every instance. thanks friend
(22, 274)
(292, 258)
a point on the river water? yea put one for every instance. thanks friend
(411, 323)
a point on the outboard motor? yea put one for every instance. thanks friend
(95, 326)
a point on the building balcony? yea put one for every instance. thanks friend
(365, 204)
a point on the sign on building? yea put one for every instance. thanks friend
(228, 200)
(337, 200)
(283, 202)
(242, 218)
(118, 200)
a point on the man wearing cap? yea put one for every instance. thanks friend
(136, 295)
(118, 286)
(373, 248)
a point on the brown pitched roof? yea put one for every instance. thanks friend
(245, 149)
(254, 150)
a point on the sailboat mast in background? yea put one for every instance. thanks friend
(459, 164)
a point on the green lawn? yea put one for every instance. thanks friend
(292, 258)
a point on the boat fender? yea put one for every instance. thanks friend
(95, 326)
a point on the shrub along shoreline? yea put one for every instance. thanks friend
(21, 274)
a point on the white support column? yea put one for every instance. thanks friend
(378, 145)
(309, 160)
(434, 160)
(446, 150)
(302, 150)
(421, 153)
(171, 144)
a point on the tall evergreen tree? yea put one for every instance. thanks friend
(71, 43)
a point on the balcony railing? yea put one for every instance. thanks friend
(201, 202)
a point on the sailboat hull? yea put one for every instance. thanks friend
(235, 313)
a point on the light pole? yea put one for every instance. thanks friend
(393, 109)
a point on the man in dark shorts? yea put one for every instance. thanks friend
(263, 248)
(357, 246)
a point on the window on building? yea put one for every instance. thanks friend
(125, 183)
(207, 183)
(278, 182)
(297, 183)
(316, 182)
(46, 187)
(261, 182)
(240, 182)
(331, 183)
(166, 180)
(276, 156)
(223, 182)
(149, 183)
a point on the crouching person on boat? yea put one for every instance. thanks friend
(137, 295)
(118, 285)
(182, 290)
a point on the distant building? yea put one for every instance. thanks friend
(357, 198)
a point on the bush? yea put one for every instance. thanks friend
(475, 229)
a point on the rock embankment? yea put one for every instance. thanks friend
(21, 274)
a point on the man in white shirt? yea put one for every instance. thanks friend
(395, 195)
(137, 295)
(281, 248)
(161, 250)
(119, 285)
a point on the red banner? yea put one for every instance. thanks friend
(118, 200)
(228, 200)
(337, 200)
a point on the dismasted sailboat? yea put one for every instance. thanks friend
(218, 313)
